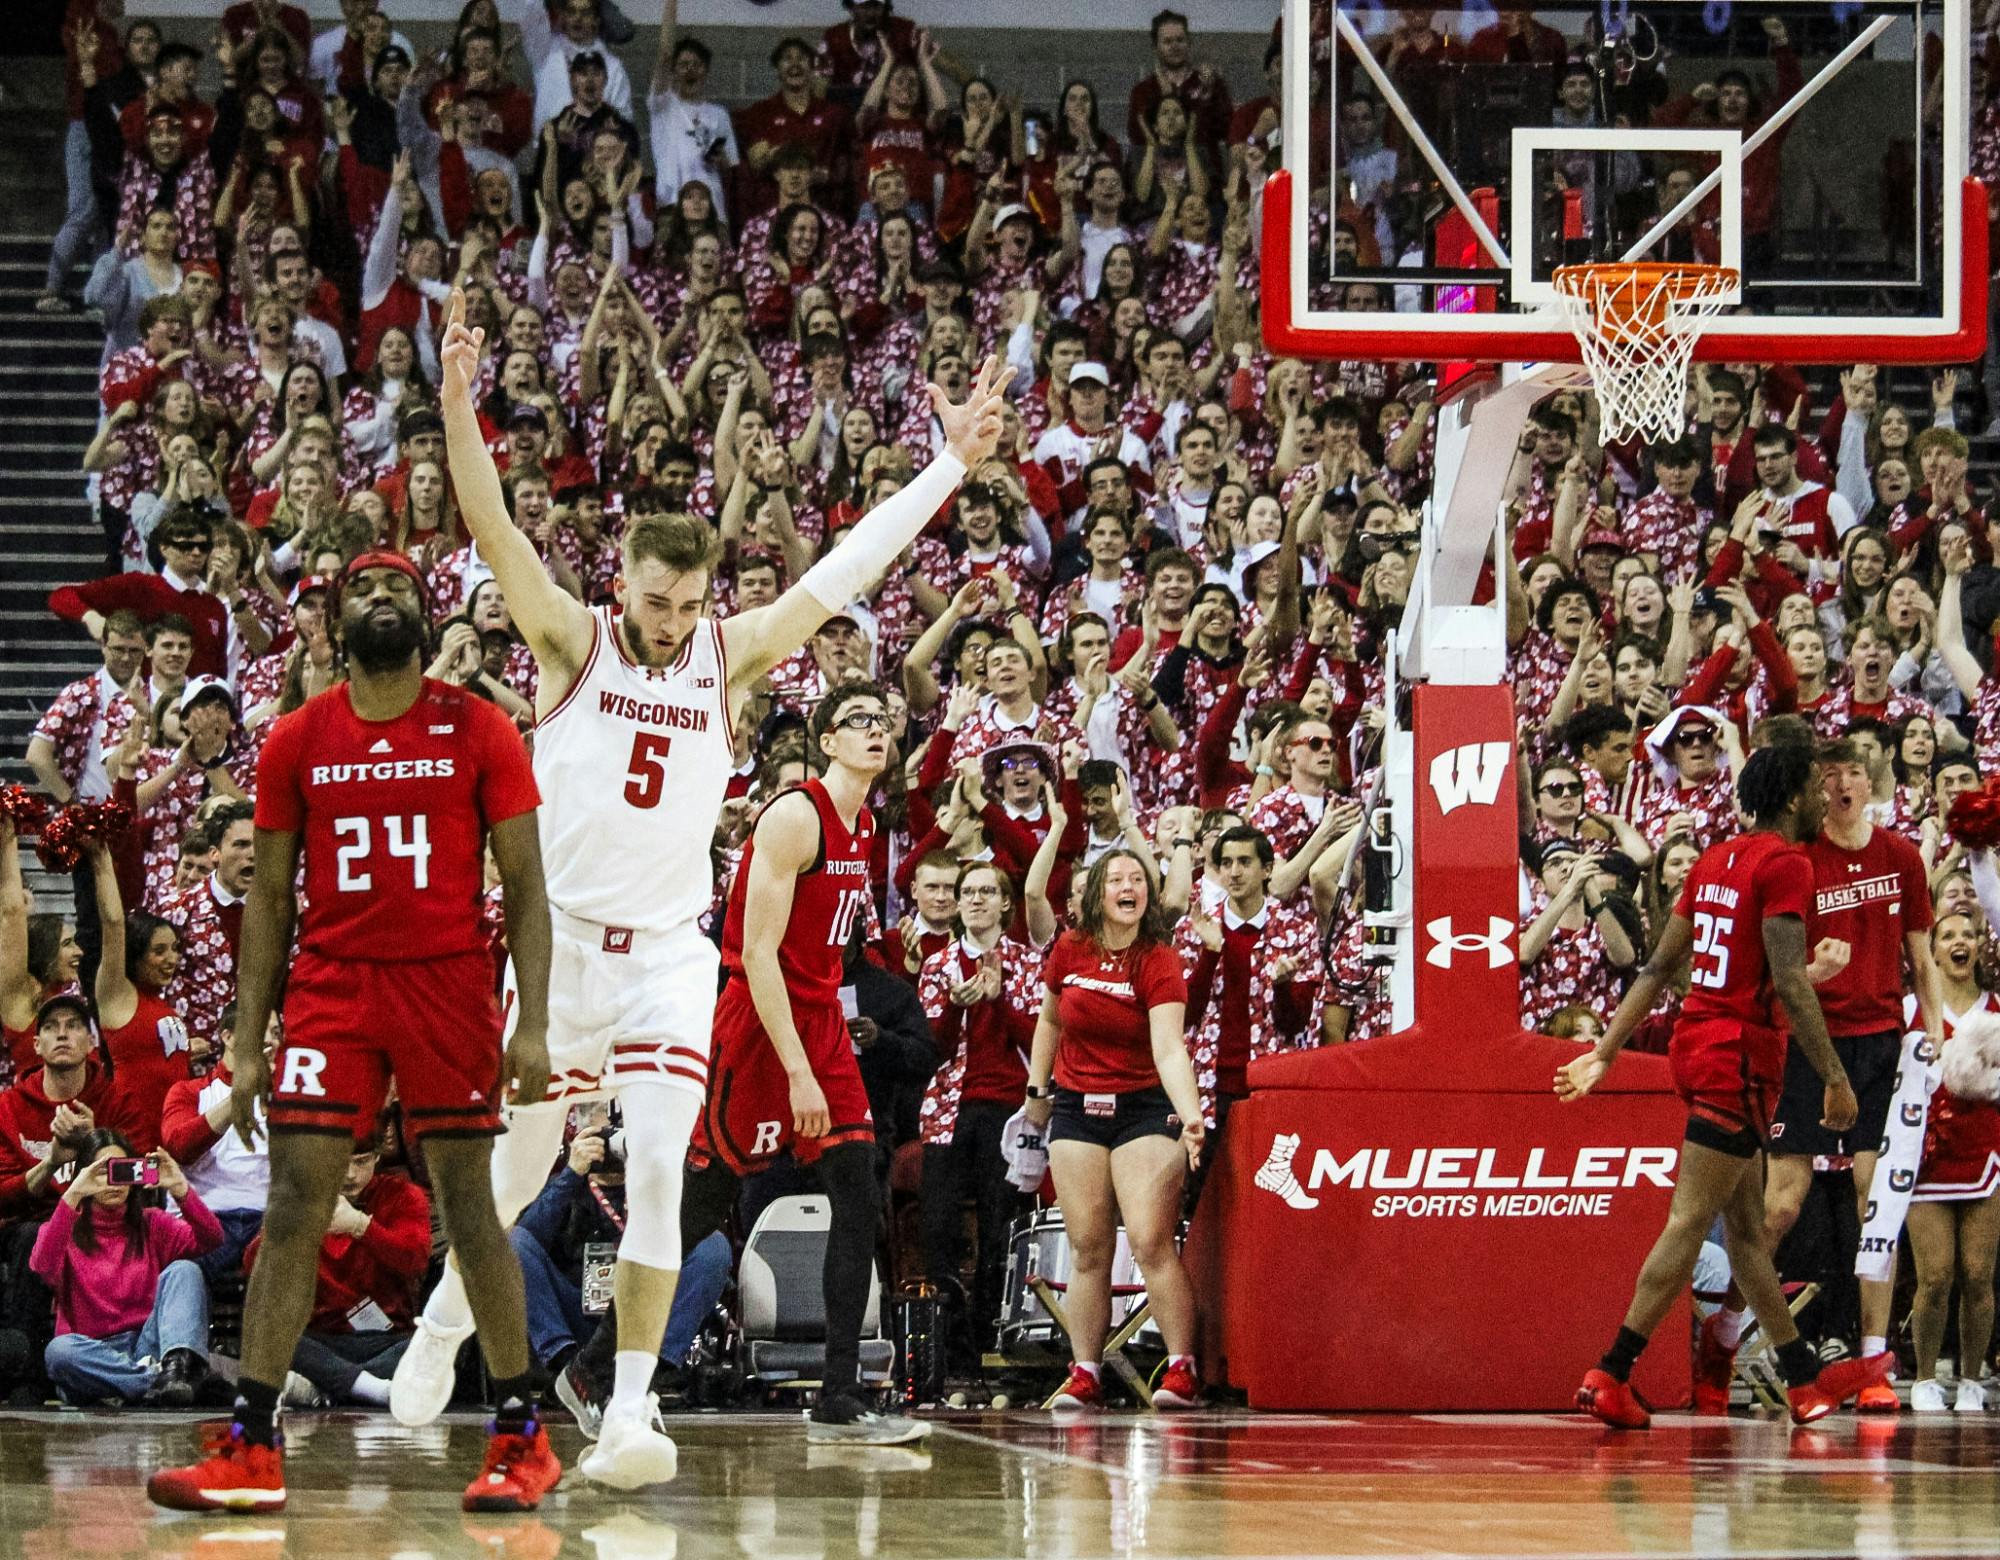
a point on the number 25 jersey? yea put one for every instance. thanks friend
(1736, 886)
(393, 817)
(828, 902)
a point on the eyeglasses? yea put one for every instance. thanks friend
(990, 891)
(864, 720)
(1564, 788)
(1018, 762)
(1317, 744)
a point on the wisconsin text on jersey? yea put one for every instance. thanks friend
(675, 717)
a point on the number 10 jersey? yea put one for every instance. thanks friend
(633, 765)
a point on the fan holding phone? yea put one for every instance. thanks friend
(126, 1287)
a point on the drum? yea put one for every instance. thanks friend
(1038, 1247)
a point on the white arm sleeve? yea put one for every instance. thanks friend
(882, 534)
(1852, 473)
(538, 271)
(378, 271)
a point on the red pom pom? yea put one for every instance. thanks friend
(77, 827)
(24, 807)
(1974, 819)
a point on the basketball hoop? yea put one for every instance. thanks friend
(1637, 325)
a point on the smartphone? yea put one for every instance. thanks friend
(131, 1172)
(1031, 139)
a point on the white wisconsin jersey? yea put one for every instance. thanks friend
(632, 765)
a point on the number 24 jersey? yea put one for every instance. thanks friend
(393, 817)
(1736, 886)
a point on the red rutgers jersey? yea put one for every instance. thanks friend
(1734, 889)
(394, 816)
(828, 902)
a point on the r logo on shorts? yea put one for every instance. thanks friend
(302, 1070)
(766, 1141)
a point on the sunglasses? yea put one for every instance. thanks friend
(1564, 788)
(863, 720)
(189, 544)
(1011, 765)
(1317, 744)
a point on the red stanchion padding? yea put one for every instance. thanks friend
(1416, 1223)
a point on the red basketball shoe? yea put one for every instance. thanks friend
(1714, 1370)
(1603, 1396)
(235, 1475)
(1837, 1383)
(1179, 1388)
(1081, 1389)
(1880, 1398)
(520, 1469)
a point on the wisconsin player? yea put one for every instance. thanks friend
(786, 1075)
(1742, 916)
(392, 785)
(632, 750)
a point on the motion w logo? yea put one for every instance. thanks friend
(1469, 774)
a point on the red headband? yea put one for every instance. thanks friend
(382, 558)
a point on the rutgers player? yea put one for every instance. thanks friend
(1743, 914)
(786, 1077)
(635, 708)
(1871, 892)
(392, 785)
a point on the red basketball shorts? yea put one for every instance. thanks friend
(1729, 1073)
(746, 1122)
(431, 1024)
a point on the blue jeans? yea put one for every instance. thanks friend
(556, 1318)
(80, 221)
(87, 1369)
(239, 1228)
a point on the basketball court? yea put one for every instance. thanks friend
(1020, 1484)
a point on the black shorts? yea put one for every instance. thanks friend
(1139, 1114)
(1871, 1062)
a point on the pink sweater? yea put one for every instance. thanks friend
(102, 1292)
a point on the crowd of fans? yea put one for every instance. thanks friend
(1152, 620)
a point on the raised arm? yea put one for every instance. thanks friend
(758, 640)
(556, 626)
(1958, 657)
(116, 995)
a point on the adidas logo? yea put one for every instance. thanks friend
(381, 746)
(1275, 1174)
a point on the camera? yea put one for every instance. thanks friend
(1375, 543)
(131, 1172)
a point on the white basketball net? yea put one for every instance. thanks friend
(1637, 326)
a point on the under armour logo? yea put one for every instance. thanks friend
(1447, 942)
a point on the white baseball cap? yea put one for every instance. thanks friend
(1009, 212)
(1089, 370)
